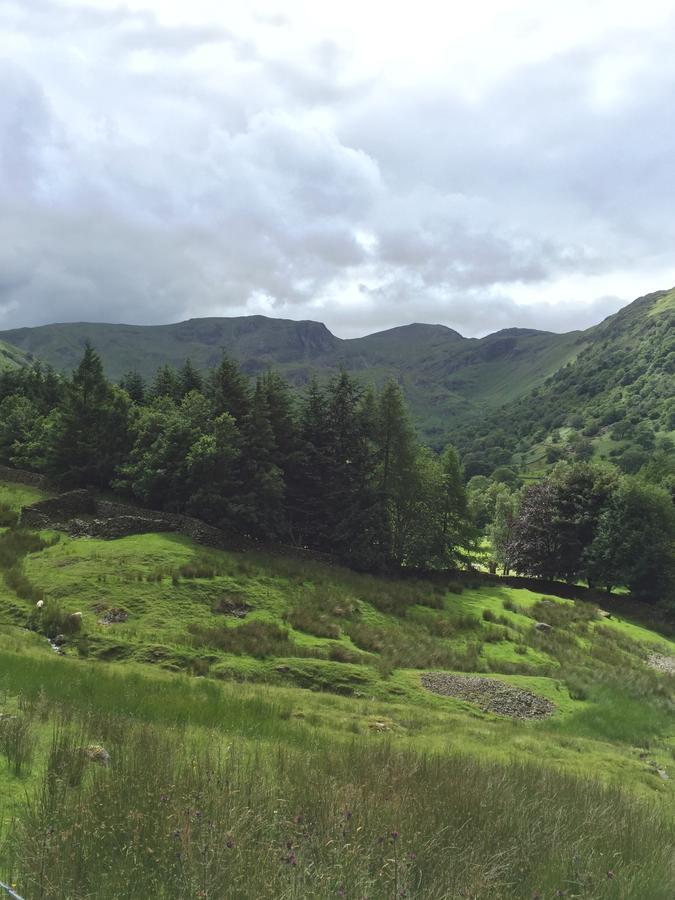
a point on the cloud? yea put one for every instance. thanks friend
(159, 162)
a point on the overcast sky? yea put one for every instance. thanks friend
(366, 164)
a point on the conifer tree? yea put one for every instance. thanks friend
(132, 382)
(190, 379)
(91, 437)
(230, 391)
(166, 383)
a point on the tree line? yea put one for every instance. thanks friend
(338, 469)
(583, 522)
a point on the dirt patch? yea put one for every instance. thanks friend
(490, 694)
(661, 663)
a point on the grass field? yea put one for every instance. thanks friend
(269, 734)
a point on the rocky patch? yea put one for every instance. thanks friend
(232, 605)
(114, 616)
(662, 663)
(490, 694)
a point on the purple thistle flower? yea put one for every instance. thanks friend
(395, 836)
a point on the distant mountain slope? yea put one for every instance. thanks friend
(616, 397)
(11, 356)
(452, 383)
(446, 377)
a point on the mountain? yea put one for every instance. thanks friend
(446, 377)
(464, 388)
(615, 400)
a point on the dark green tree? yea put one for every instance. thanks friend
(635, 541)
(91, 437)
(230, 391)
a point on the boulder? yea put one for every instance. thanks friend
(543, 626)
(96, 753)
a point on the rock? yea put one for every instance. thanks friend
(543, 626)
(661, 663)
(59, 640)
(603, 613)
(75, 620)
(282, 669)
(114, 616)
(96, 753)
(490, 694)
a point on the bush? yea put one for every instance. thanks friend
(16, 742)
(8, 516)
(312, 622)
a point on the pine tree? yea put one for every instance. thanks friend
(166, 383)
(91, 437)
(352, 509)
(260, 503)
(190, 379)
(230, 391)
(309, 487)
(132, 382)
(458, 530)
(396, 474)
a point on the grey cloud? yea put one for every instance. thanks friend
(257, 182)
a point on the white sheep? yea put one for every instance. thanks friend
(40, 604)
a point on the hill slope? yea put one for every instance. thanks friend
(614, 400)
(326, 722)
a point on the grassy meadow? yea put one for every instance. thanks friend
(269, 734)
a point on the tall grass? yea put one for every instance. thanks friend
(173, 817)
(167, 700)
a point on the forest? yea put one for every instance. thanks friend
(337, 469)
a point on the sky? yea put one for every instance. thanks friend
(365, 164)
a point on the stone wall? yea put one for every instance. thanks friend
(21, 476)
(81, 514)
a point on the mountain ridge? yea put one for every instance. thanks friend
(449, 379)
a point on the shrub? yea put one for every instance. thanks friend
(16, 742)
(8, 516)
(344, 654)
(306, 619)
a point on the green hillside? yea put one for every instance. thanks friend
(264, 707)
(614, 401)
(11, 356)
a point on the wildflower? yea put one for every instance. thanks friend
(394, 836)
(412, 857)
(348, 814)
(341, 890)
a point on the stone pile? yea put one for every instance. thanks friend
(490, 694)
